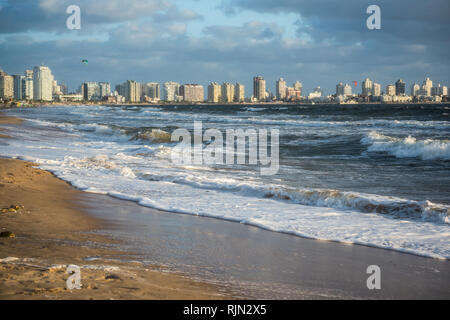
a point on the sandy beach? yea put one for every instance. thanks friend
(127, 251)
(51, 231)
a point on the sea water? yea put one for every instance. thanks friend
(377, 175)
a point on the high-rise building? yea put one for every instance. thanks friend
(192, 92)
(56, 88)
(340, 89)
(292, 94)
(390, 90)
(105, 89)
(18, 86)
(42, 83)
(6, 86)
(400, 88)
(439, 90)
(298, 86)
(347, 90)
(376, 89)
(227, 92)
(281, 89)
(317, 93)
(367, 87)
(132, 91)
(259, 88)
(171, 91)
(426, 87)
(91, 91)
(239, 92)
(214, 92)
(151, 90)
(28, 91)
(65, 89)
(415, 89)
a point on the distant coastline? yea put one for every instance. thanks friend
(184, 103)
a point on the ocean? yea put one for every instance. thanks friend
(377, 175)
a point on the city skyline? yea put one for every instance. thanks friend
(40, 84)
(229, 41)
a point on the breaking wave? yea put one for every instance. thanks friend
(408, 147)
(366, 203)
(154, 135)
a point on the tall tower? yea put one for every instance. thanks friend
(340, 89)
(214, 92)
(239, 92)
(367, 87)
(28, 90)
(376, 91)
(415, 89)
(281, 89)
(227, 92)
(42, 83)
(400, 88)
(259, 88)
(6, 86)
(171, 91)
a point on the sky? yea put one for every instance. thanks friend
(318, 42)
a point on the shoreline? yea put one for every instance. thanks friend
(210, 104)
(52, 229)
(320, 251)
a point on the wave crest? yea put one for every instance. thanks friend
(366, 203)
(408, 147)
(154, 135)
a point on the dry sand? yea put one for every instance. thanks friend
(51, 231)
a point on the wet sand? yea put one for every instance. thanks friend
(127, 251)
(49, 229)
(253, 262)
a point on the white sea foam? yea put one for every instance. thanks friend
(92, 159)
(408, 147)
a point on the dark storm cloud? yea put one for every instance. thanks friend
(150, 41)
(50, 15)
(422, 20)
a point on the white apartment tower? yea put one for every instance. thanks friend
(27, 87)
(376, 89)
(340, 89)
(42, 83)
(281, 89)
(227, 92)
(415, 90)
(390, 90)
(192, 92)
(171, 91)
(347, 90)
(132, 91)
(105, 89)
(259, 88)
(426, 87)
(367, 87)
(214, 92)
(239, 92)
(6, 86)
(151, 90)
